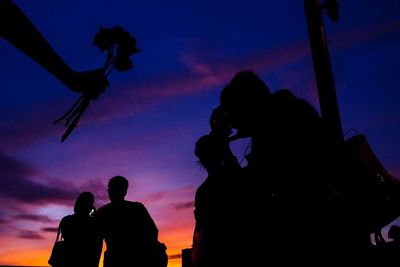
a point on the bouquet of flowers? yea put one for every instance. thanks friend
(118, 45)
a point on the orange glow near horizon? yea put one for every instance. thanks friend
(20, 256)
(39, 257)
(24, 256)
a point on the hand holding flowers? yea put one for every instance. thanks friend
(118, 45)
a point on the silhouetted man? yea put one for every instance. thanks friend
(127, 227)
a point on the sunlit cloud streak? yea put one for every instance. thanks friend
(202, 75)
(175, 256)
(199, 77)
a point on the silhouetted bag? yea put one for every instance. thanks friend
(374, 188)
(57, 256)
(158, 255)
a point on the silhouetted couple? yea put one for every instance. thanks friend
(282, 208)
(129, 231)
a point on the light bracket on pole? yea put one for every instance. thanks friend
(332, 9)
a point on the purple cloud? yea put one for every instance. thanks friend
(33, 217)
(27, 234)
(183, 206)
(156, 196)
(15, 184)
(50, 229)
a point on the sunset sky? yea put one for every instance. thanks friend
(144, 126)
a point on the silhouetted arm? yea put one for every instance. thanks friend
(17, 29)
(150, 227)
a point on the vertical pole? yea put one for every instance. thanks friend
(322, 68)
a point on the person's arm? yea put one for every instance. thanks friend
(18, 30)
(150, 229)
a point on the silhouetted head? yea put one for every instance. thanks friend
(219, 123)
(242, 100)
(209, 151)
(84, 203)
(117, 188)
(394, 232)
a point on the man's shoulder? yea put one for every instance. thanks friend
(106, 206)
(124, 204)
(103, 209)
(284, 94)
(286, 98)
(134, 204)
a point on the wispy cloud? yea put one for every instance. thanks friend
(155, 197)
(175, 256)
(27, 234)
(16, 184)
(183, 206)
(33, 217)
(50, 229)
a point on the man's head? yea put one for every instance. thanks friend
(242, 100)
(117, 188)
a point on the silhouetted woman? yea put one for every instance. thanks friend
(215, 234)
(81, 234)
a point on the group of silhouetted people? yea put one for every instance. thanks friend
(130, 233)
(288, 205)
